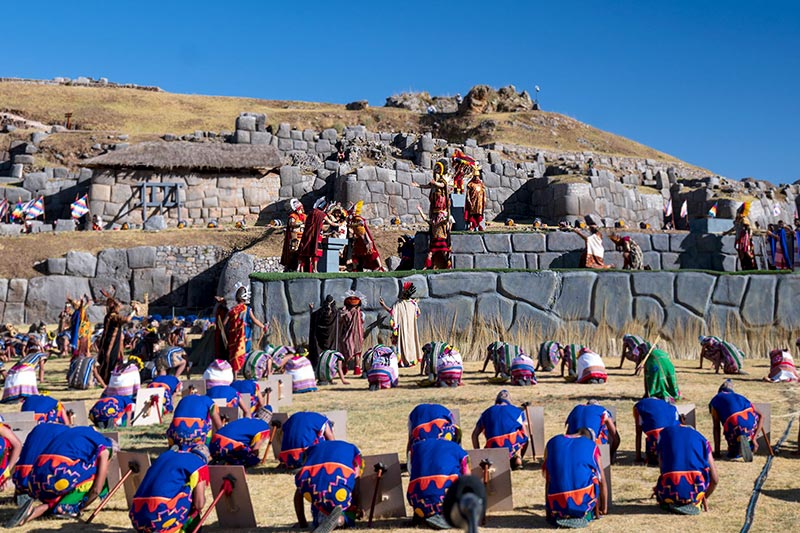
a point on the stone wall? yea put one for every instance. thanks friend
(115, 195)
(675, 303)
(558, 249)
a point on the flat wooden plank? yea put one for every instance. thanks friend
(498, 490)
(391, 499)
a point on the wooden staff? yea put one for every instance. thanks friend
(485, 465)
(228, 482)
(766, 439)
(640, 366)
(380, 469)
(276, 425)
(133, 468)
(153, 401)
(525, 406)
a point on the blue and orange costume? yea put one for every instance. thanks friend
(685, 469)
(653, 415)
(503, 426)
(589, 416)
(191, 421)
(431, 421)
(572, 467)
(224, 392)
(738, 417)
(6, 447)
(302, 430)
(251, 387)
(45, 409)
(163, 501)
(434, 464)
(171, 386)
(110, 411)
(328, 477)
(38, 439)
(65, 471)
(235, 442)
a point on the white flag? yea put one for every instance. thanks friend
(668, 208)
(684, 209)
(776, 210)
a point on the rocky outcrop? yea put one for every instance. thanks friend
(483, 99)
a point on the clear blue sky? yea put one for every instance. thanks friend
(712, 82)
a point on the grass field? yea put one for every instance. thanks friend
(377, 424)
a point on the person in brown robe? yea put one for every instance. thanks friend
(111, 349)
(351, 330)
(476, 202)
(322, 332)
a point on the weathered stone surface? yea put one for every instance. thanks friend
(463, 260)
(420, 283)
(561, 241)
(81, 264)
(14, 313)
(729, 290)
(257, 301)
(17, 290)
(517, 261)
(471, 283)
(787, 307)
(497, 242)
(155, 223)
(155, 282)
(681, 322)
(467, 244)
(660, 242)
(236, 270)
(276, 308)
(121, 288)
(336, 288)
(693, 290)
(536, 288)
(142, 257)
(491, 261)
(528, 242)
(113, 263)
(574, 302)
(495, 309)
(376, 288)
(724, 319)
(456, 312)
(529, 321)
(47, 294)
(759, 301)
(301, 293)
(648, 310)
(3, 289)
(57, 265)
(613, 300)
(300, 325)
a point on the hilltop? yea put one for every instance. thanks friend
(103, 112)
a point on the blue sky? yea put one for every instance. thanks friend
(714, 83)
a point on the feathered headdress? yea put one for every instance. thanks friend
(241, 291)
(408, 290)
(438, 169)
(294, 204)
(356, 210)
(320, 203)
(744, 209)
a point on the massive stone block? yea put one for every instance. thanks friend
(376, 288)
(155, 282)
(120, 287)
(681, 322)
(528, 242)
(560, 241)
(529, 322)
(497, 242)
(759, 301)
(648, 311)
(693, 290)
(81, 264)
(113, 263)
(18, 289)
(467, 244)
(276, 310)
(301, 293)
(491, 261)
(495, 309)
(142, 257)
(46, 296)
(729, 290)
(535, 288)
(300, 324)
(574, 301)
(787, 307)
(613, 300)
(471, 283)
(57, 265)
(420, 283)
(446, 315)
(724, 319)
(236, 270)
(336, 288)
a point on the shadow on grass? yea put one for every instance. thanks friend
(787, 495)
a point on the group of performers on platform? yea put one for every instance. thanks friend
(305, 232)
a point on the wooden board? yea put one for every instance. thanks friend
(766, 410)
(199, 385)
(690, 412)
(246, 402)
(498, 491)
(231, 413)
(132, 483)
(537, 426)
(391, 500)
(605, 454)
(613, 411)
(338, 420)
(22, 429)
(457, 419)
(79, 416)
(18, 416)
(276, 440)
(152, 415)
(236, 510)
(281, 385)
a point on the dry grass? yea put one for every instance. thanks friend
(377, 425)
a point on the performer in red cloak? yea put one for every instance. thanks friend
(294, 233)
(310, 250)
(365, 254)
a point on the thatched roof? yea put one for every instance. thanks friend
(198, 157)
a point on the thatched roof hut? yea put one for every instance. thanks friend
(189, 156)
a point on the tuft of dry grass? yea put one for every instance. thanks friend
(377, 422)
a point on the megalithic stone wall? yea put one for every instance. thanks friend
(549, 301)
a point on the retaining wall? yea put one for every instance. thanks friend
(674, 302)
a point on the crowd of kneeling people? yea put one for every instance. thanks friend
(65, 468)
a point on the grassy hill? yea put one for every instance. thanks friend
(145, 115)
